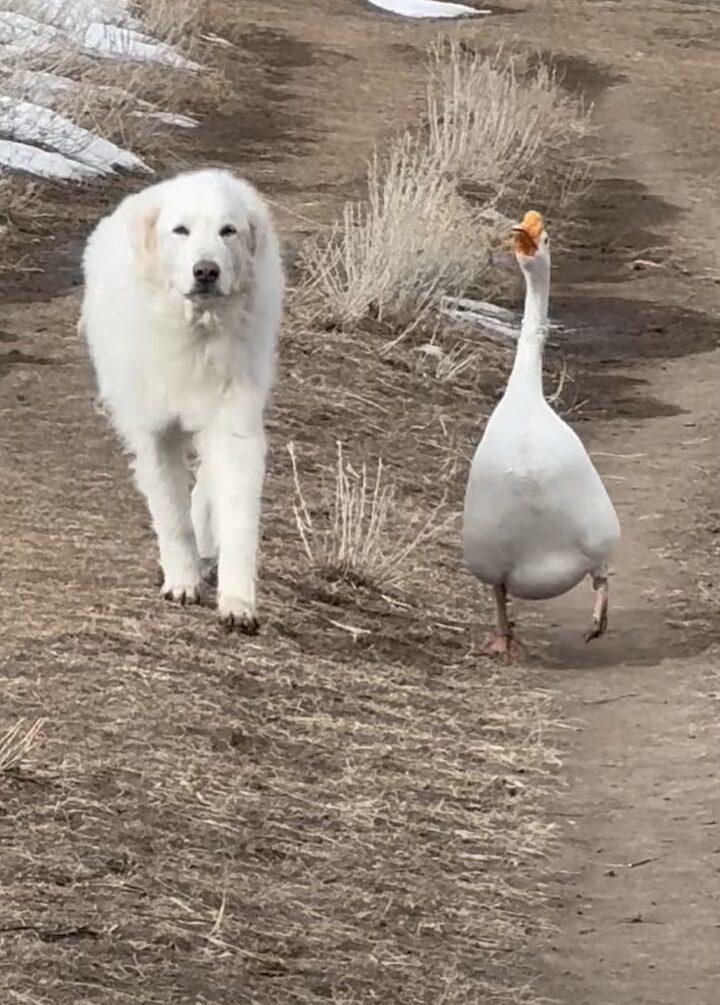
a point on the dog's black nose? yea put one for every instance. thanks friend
(206, 272)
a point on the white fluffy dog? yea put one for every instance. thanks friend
(182, 307)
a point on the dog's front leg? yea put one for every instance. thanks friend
(236, 468)
(163, 478)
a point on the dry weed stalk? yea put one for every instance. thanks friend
(448, 365)
(17, 742)
(356, 539)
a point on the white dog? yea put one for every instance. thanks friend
(182, 307)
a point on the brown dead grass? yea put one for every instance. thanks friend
(272, 831)
(120, 101)
(177, 22)
(17, 742)
(346, 809)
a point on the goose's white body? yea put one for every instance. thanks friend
(537, 517)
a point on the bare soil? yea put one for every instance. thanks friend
(317, 815)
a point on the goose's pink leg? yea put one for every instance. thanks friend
(599, 623)
(503, 643)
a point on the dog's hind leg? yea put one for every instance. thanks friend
(163, 478)
(202, 519)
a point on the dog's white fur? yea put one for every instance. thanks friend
(175, 364)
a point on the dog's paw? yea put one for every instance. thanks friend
(237, 615)
(181, 593)
(210, 572)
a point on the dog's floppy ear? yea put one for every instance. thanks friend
(256, 234)
(145, 239)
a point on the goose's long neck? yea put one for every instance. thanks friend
(527, 369)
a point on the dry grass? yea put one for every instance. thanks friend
(345, 809)
(428, 228)
(450, 364)
(453, 353)
(127, 102)
(286, 834)
(505, 128)
(395, 255)
(20, 199)
(177, 22)
(17, 742)
(354, 536)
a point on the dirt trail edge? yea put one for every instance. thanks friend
(637, 896)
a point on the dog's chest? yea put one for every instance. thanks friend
(193, 381)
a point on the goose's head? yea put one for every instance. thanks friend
(531, 245)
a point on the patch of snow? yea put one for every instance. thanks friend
(49, 89)
(126, 43)
(485, 308)
(427, 8)
(33, 124)
(44, 163)
(486, 315)
(169, 119)
(35, 85)
(34, 134)
(76, 15)
(24, 35)
(216, 40)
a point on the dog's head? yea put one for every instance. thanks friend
(201, 235)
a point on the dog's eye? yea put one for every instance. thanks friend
(228, 230)
(181, 229)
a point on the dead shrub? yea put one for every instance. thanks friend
(426, 230)
(502, 125)
(352, 534)
(413, 241)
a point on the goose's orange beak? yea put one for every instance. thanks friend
(526, 234)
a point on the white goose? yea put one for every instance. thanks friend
(537, 517)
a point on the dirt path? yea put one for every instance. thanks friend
(637, 901)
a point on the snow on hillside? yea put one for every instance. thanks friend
(37, 38)
(40, 100)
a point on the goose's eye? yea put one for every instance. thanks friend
(181, 230)
(228, 230)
